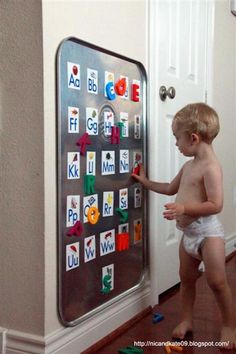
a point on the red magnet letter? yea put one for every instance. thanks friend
(135, 93)
(75, 230)
(136, 168)
(115, 135)
(120, 87)
(122, 241)
(82, 142)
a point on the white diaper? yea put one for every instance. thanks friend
(195, 234)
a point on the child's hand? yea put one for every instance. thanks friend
(141, 177)
(173, 210)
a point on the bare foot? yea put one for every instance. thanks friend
(228, 335)
(181, 330)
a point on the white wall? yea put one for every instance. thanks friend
(224, 101)
(31, 32)
(119, 26)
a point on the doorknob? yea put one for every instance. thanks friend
(163, 92)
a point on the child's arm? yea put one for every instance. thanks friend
(159, 187)
(214, 195)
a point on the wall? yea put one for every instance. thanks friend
(22, 180)
(223, 96)
(119, 26)
(31, 32)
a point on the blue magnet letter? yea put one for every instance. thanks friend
(110, 91)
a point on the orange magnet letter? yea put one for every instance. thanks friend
(93, 215)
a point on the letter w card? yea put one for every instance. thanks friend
(107, 242)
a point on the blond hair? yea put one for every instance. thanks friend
(198, 118)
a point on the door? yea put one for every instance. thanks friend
(178, 37)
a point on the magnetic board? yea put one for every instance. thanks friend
(101, 125)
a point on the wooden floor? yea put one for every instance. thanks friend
(206, 322)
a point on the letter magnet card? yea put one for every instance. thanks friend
(91, 121)
(72, 210)
(89, 248)
(107, 279)
(73, 119)
(88, 202)
(73, 75)
(73, 165)
(108, 204)
(108, 163)
(72, 256)
(109, 78)
(124, 118)
(107, 242)
(92, 81)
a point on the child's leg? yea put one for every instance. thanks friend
(213, 253)
(189, 273)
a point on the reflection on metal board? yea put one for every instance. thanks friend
(101, 109)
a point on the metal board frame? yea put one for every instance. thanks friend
(80, 279)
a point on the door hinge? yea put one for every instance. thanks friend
(205, 96)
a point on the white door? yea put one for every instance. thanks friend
(178, 37)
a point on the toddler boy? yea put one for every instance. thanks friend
(199, 197)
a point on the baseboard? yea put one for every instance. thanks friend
(24, 343)
(3, 332)
(117, 332)
(74, 340)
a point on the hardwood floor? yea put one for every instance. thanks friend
(207, 322)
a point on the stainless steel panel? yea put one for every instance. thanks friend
(80, 276)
